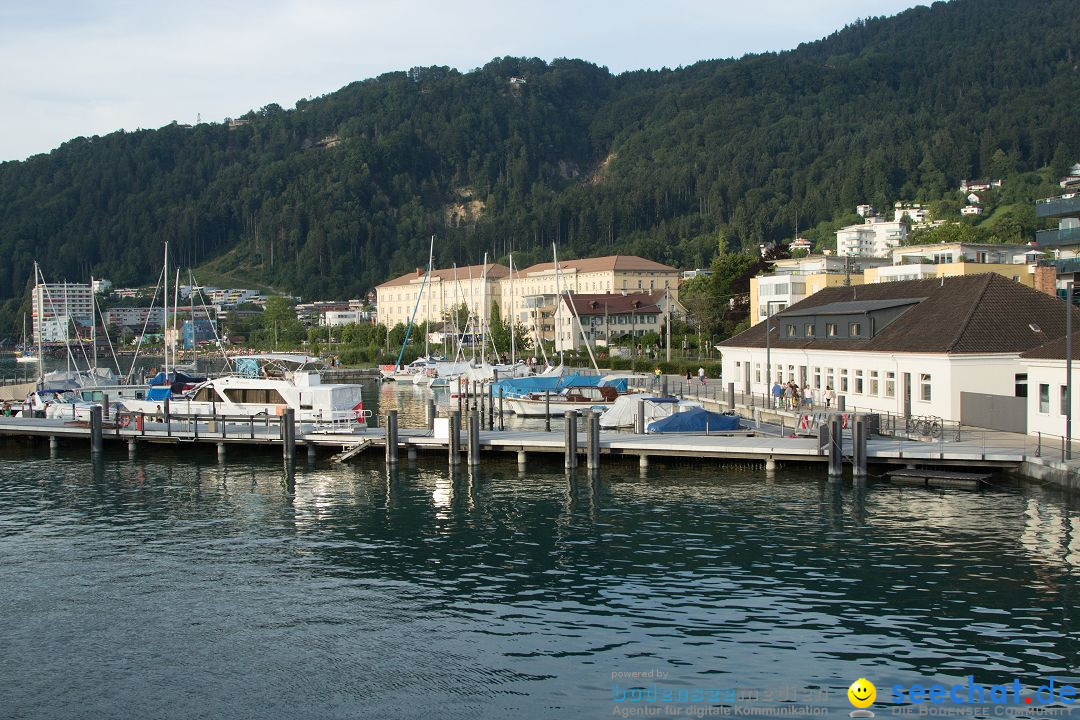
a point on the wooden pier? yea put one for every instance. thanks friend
(581, 440)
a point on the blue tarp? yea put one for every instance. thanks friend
(518, 387)
(157, 394)
(694, 420)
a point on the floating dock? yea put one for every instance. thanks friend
(585, 447)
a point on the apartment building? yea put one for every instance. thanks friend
(876, 237)
(56, 307)
(798, 278)
(474, 286)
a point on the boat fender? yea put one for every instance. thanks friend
(123, 421)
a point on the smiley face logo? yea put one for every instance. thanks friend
(862, 692)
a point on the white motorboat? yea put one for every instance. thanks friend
(575, 398)
(263, 385)
(623, 414)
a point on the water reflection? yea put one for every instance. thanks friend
(374, 592)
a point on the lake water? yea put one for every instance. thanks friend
(174, 587)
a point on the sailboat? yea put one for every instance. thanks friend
(22, 355)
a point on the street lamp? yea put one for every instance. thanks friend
(768, 343)
(1068, 369)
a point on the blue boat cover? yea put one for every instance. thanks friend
(519, 387)
(157, 394)
(694, 420)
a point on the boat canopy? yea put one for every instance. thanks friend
(520, 387)
(694, 420)
(624, 412)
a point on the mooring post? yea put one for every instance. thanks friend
(770, 464)
(571, 439)
(474, 438)
(453, 439)
(521, 458)
(663, 385)
(502, 424)
(594, 438)
(639, 419)
(587, 418)
(95, 429)
(429, 414)
(391, 438)
(221, 452)
(841, 403)
(731, 396)
(858, 437)
(547, 411)
(288, 435)
(54, 446)
(312, 455)
(491, 406)
(836, 446)
(168, 417)
(643, 462)
(132, 445)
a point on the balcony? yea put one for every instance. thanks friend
(1058, 237)
(1064, 206)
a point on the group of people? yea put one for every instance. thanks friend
(790, 396)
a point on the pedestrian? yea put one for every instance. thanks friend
(777, 393)
(787, 396)
(829, 396)
(796, 395)
(689, 376)
(657, 373)
(808, 398)
(701, 375)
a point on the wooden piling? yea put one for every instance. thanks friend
(836, 445)
(570, 435)
(96, 423)
(502, 424)
(288, 435)
(858, 454)
(429, 414)
(474, 438)
(639, 419)
(547, 411)
(392, 437)
(453, 440)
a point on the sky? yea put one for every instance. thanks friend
(89, 67)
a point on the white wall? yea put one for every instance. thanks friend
(1052, 374)
(948, 376)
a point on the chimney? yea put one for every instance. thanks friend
(419, 272)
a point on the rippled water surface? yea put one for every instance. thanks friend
(171, 586)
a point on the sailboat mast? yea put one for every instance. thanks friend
(39, 300)
(165, 302)
(427, 319)
(558, 299)
(175, 307)
(93, 321)
(484, 326)
(513, 339)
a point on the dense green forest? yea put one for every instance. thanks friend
(336, 195)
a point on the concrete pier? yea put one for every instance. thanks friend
(570, 436)
(454, 438)
(392, 438)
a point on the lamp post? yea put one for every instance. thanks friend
(768, 343)
(1068, 370)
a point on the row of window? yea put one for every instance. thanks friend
(854, 330)
(625, 320)
(845, 381)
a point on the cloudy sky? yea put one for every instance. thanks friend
(89, 67)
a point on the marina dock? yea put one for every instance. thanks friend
(578, 444)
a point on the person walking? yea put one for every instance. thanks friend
(701, 375)
(777, 393)
(657, 373)
(808, 398)
(829, 396)
(689, 376)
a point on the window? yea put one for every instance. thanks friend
(858, 382)
(791, 331)
(854, 329)
(757, 372)
(924, 387)
(260, 396)
(830, 329)
(791, 373)
(873, 383)
(843, 380)
(817, 378)
(890, 384)
(206, 394)
(1064, 399)
(829, 378)
(1020, 385)
(1044, 398)
(810, 330)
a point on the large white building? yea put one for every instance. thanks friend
(136, 317)
(58, 307)
(944, 347)
(474, 286)
(874, 238)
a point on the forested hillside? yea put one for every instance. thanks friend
(335, 196)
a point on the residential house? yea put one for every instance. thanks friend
(874, 238)
(795, 279)
(474, 286)
(602, 318)
(916, 347)
(1019, 263)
